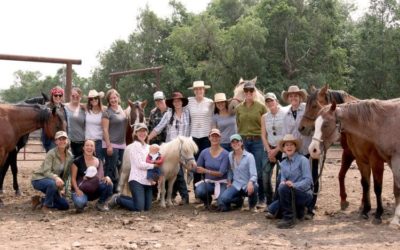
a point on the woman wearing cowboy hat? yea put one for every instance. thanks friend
(94, 127)
(295, 183)
(296, 98)
(177, 122)
(201, 110)
(224, 120)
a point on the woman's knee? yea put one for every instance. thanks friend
(79, 201)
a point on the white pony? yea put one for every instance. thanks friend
(238, 95)
(180, 150)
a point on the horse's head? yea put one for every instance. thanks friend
(238, 94)
(136, 112)
(38, 100)
(316, 100)
(52, 121)
(327, 130)
(187, 150)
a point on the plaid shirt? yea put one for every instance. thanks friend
(178, 127)
(154, 119)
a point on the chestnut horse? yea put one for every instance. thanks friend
(19, 120)
(238, 95)
(362, 151)
(12, 156)
(374, 121)
(135, 114)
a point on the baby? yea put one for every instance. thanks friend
(154, 157)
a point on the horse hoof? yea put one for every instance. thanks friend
(377, 221)
(162, 204)
(364, 216)
(18, 193)
(344, 205)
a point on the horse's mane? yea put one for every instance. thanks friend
(188, 145)
(368, 111)
(332, 95)
(44, 111)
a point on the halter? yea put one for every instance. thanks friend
(132, 125)
(182, 158)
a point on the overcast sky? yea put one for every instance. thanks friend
(73, 29)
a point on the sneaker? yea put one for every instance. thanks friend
(102, 207)
(269, 216)
(309, 216)
(254, 209)
(184, 201)
(285, 224)
(36, 202)
(198, 201)
(261, 205)
(112, 202)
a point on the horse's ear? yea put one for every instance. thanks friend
(254, 80)
(130, 103)
(324, 89)
(241, 80)
(333, 106)
(312, 88)
(45, 97)
(144, 104)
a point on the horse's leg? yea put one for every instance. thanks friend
(365, 171)
(347, 159)
(395, 164)
(3, 172)
(162, 192)
(377, 172)
(14, 169)
(170, 188)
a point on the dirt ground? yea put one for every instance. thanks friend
(191, 227)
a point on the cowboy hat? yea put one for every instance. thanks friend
(294, 89)
(289, 138)
(199, 84)
(220, 97)
(176, 95)
(93, 93)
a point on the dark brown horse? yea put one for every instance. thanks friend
(12, 156)
(19, 120)
(135, 114)
(354, 147)
(374, 121)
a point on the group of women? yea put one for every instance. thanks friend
(237, 151)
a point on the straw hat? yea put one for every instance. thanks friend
(294, 89)
(199, 84)
(176, 95)
(289, 138)
(93, 93)
(220, 97)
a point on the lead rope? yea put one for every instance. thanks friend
(321, 168)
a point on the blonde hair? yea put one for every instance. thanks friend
(109, 93)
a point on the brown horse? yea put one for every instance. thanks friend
(18, 120)
(135, 114)
(374, 121)
(362, 151)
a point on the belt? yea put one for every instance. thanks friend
(251, 137)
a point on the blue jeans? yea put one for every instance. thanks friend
(99, 149)
(267, 178)
(231, 195)
(205, 190)
(179, 186)
(256, 147)
(112, 165)
(52, 197)
(103, 192)
(141, 199)
(302, 200)
(201, 143)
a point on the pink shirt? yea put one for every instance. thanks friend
(139, 165)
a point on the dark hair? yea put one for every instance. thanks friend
(135, 138)
(216, 111)
(90, 106)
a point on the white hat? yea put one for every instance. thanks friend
(294, 89)
(91, 172)
(271, 96)
(220, 97)
(93, 93)
(199, 84)
(60, 134)
(159, 95)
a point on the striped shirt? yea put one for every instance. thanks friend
(201, 116)
(179, 125)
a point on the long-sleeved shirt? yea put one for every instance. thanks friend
(179, 126)
(241, 173)
(297, 170)
(139, 166)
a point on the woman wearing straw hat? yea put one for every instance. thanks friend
(94, 127)
(296, 98)
(177, 122)
(224, 120)
(295, 185)
(201, 110)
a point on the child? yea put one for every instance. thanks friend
(154, 157)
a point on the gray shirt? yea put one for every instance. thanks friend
(76, 124)
(227, 126)
(117, 125)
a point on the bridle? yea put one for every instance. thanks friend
(136, 107)
(182, 159)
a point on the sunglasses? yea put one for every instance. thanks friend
(248, 90)
(273, 130)
(58, 95)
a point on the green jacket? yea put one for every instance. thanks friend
(53, 159)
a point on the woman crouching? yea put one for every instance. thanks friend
(88, 181)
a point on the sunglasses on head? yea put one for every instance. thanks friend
(57, 95)
(248, 90)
